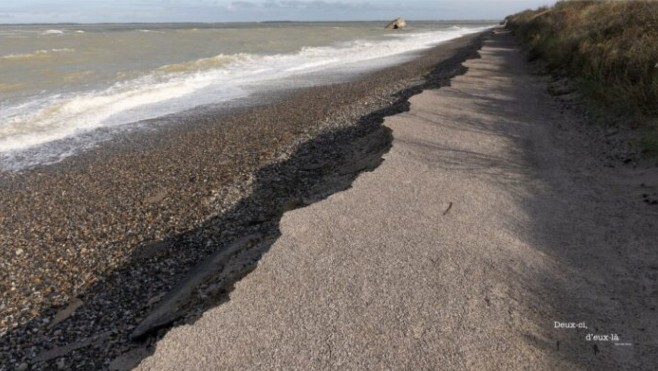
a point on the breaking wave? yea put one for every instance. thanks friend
(178, 87)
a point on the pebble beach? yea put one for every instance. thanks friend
(91, 244)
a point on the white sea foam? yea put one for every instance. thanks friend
(204, 63)
(36, 53)
(175, 88)
(52, 32)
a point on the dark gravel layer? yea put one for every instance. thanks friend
(119, 226)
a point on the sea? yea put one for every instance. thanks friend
(66, 88)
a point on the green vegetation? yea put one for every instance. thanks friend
(610, 48)
(649, 143)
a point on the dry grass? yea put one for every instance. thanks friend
(609, 47)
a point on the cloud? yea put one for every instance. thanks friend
(315, 5)
(243, 5)
(30, 11)
(324, 5)
(298, 9)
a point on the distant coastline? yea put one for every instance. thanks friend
(383, 21)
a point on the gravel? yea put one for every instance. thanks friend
(91, 244)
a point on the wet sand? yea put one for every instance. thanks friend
(118, 226)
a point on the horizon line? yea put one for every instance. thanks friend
(224, 22)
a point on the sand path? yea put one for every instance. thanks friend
(485, 224)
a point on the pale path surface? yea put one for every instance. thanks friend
(377, 277)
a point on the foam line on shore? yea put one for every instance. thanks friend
(175, 88)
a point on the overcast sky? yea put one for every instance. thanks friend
(92, 11)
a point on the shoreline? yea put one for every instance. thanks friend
(491, 225)
(119, 225)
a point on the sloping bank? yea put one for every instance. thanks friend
(609, 52)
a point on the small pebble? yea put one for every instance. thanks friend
(22, 367)
(19, 252)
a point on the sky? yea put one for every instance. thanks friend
(97, 11)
